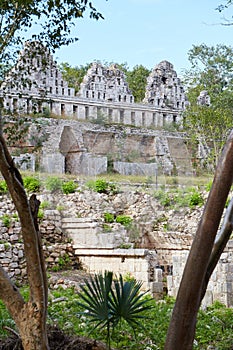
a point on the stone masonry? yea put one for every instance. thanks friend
(36, 84)
(153, 250)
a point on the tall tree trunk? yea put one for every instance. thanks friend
(182, 327)
(30, 317)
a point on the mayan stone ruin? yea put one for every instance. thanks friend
(36, 83)
(132, 141)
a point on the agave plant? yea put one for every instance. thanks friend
(107, 302)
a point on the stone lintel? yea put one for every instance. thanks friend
(111, 252)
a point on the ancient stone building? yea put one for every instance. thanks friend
(105, 84)
(164, 88)
(36, 84)
(34, 79)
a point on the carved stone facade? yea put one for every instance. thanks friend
(105, 84)
(164, 88)
(34, 79)
(36, 84)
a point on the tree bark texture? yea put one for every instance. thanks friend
(30, 317)
(182, 326)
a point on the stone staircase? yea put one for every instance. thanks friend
(99, 251)
(88, 234)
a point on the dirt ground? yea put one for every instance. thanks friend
(57, 341)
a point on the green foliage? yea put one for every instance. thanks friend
(31, 184)
(107, 228)
(137, 80)
(74, 75)
(108, 217)
(189, 197)
(54, 22)
(64, 263)
(101, 119)
(163, 197)
(208, 186)
(3, 187)
(212, 70)
(102, 186)
(195, 199)
(6, 220)
(45, 205)
(124, 220)
(53, 184)
(15, 216)
(60, 207)
(40, 214)
(214, 326)
(108, 302)
(69, 187)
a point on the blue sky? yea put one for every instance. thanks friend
(147, 32)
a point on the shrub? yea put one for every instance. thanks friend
(69, 187)
(124, 220)
(3, 187)
(40, 214)
(45, 205)
(53, 184)
(195, 199)
(108, 217)
(208, 186)
(102, 186)
(163, 197)
(64, 262)
(6, 220)
(31, 184)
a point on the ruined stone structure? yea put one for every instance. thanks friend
(36, 83)
(105, 84)
(164, 88)
(154, 251)
(85, 148)
(203, 98)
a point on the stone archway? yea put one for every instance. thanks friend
(70, 149)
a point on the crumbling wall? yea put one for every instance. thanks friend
(105, 84)
(164, 88)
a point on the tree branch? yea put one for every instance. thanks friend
(219, 245)
(34, 258)
(10, 294)
(183, 322)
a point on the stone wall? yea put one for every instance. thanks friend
(157, 243)
(85, 148)
(57, 247)
(136, 263)
(134, 168)
(220, 286)
(35, 84)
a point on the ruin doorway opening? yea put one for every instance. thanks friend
(70, 149)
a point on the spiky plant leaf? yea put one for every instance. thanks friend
(108, 303)
(126, 303)
(94, 297)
